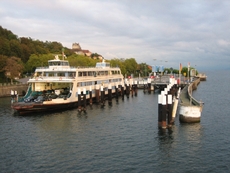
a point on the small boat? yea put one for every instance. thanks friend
(59, 85)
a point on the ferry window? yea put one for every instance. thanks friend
(65, 64)
(79, 74)
(90, 73)
(51, 74)
(39, 74)
(102, 73)
(61, 74)
(84, 73)
(106, 72)
(71, 74)
(88, 83)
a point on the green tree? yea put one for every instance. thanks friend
(130, 65)
(81, 60)
(15, 48)
(7, 34)
(37, 61)
(3, 60)
(13, 68)
(4, 47)
(143, 69)
(53, 47)
(115, 62)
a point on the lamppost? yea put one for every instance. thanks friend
(195, 69)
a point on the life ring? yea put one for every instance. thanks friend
(60, 78)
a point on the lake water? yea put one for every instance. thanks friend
(121, 138)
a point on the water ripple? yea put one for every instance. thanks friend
(121, 138)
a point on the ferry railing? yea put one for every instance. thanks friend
(72, 67)
(52, 77)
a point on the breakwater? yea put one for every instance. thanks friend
(6, 88)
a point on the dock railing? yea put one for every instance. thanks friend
(193, 86)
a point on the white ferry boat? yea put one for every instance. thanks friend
(59, 85)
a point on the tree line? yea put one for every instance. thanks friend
(21, 55)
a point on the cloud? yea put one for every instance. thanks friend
(173, 31)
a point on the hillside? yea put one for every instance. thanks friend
(23, 47)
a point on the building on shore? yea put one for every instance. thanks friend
(78, 50)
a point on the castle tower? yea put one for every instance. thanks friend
(76, 46)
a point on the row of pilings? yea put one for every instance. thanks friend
(167, 100)
(100, 98)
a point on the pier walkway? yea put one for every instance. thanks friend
(186, 97)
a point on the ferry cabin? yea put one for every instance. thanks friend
(63, 83)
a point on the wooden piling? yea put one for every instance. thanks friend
(117, 94)
(159, 110)
(90, 96)
(135, 88)
(122, 92)
(170, 120)
(127, 90)
(79, 100)
(110, 95)
(97, 94)
(164, 112)
(84, 100)
(102, 97)
(149, 85)
(144, 87)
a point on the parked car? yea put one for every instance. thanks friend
(40, 99)
(52, 96)
(30, 98)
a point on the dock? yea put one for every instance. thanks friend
(189, 108)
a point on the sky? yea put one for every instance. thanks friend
(156, 32)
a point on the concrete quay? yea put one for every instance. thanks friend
(189, 108)
(18, 88)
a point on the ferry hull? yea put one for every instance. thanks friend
(40, 107)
